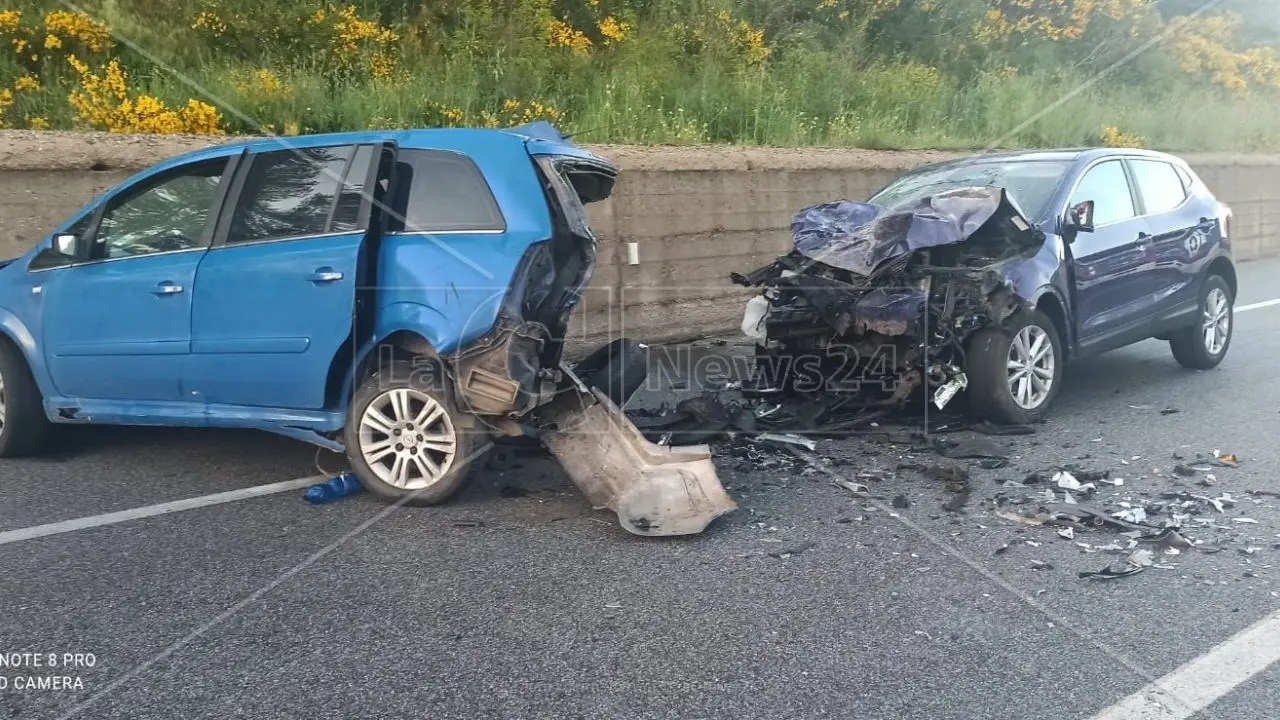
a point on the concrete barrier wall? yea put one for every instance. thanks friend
(694, 214)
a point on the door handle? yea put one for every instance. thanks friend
(166, 288)
(325, 275)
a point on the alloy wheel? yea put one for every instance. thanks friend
(1031, 367)
(1217, 321)
(407, 438)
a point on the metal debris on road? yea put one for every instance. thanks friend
(1138, 561)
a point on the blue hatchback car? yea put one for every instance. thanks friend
(294, 285)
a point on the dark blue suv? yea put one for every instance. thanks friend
(990, 272)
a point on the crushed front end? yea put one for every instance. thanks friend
(876, 304)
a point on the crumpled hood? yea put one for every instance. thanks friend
(863, 238)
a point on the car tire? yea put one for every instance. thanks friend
(406, 438)
(23, 425)
(1203, 345)
(1008, 395)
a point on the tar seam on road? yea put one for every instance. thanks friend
(1199, 683)
(65, 526)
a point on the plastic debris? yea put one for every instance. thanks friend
(789, 439)
(1248, 521)
(1041, 565)
(333, 489)
(1020, 519)
(1132, 515)
(1067, 533)
(945, 393)
(1066, 481)
(853, 487)
(1137, 561)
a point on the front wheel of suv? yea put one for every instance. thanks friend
(1203, 345)
(406, 438)
(1015, 372)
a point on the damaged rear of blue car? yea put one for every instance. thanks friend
(403, 296)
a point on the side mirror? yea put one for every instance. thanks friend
(65, 244)
(60, 253)
(1080, 217)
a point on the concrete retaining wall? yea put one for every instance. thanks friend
(695, 214)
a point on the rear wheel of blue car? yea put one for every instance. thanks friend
(1203, 345)
(23, 425)
(405, 436)
(1015, 372)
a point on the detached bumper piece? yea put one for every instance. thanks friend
(654, 489)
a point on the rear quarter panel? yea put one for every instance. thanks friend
(463, 277)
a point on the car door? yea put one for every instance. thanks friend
(275, 295)
(1180, 233)
(1112, 265)
(117, 322)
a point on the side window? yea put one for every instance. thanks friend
(1185, 175)
(1108, 187)
(289, 193)
(164, 214)
(1161, 186)
(438, 191)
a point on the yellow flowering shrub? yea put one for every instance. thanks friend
(26, 83)
(210, 22)
(35, 122)
(517, 112)
(77, 27)
(560, 34)
(613, 30)
(103, 101)
(1053, 20)
(10, 21)
(1113, 137)
(6, 100)
(353, 38)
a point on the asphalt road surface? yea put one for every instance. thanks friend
(519, 601)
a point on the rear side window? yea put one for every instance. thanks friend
(290, 193)
(1108, 187)
(1160, 184)
(438, 191)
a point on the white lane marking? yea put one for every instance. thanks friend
(1258, 305)
(12, 536)
(1196, 685)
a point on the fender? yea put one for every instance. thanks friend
(17, 331)
(1068, 328)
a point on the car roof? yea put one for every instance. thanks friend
(1070, 155)
(425, 138)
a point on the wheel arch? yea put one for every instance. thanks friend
(15, 332)
(1055, 309)
(1222, 267)
(351, 366)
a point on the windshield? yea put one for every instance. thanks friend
(1030, 184)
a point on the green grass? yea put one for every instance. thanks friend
(646, 90)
